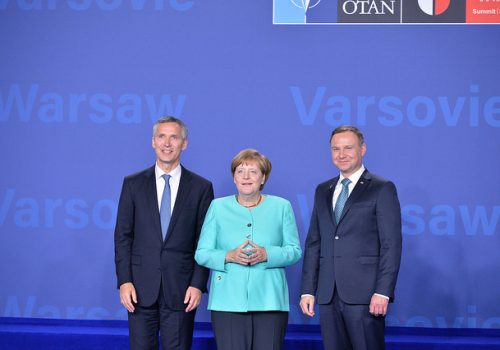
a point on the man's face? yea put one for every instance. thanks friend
(168, 145)
(347, 153)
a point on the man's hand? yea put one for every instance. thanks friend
(192, 298)
(378, 305)
(307, 305)
(128, 297)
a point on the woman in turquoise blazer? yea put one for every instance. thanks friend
(247, 240)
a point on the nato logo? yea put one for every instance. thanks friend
(369, 11)
(305, 11)
(336, 11)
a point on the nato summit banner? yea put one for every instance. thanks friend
(82, 82)
(386, 11)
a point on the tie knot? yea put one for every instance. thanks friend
(346, 182)
(166, 177)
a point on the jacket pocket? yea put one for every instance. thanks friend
(366, 204)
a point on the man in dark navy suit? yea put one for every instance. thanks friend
(160, 283)
(353, 250)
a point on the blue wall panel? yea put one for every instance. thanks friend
(81, 83)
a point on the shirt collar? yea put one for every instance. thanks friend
(355, 176)
(174, 174)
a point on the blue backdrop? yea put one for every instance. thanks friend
(82, 81)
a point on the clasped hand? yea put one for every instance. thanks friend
(247, 256)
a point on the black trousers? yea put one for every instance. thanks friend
(350, 327)
(249, 330)
(175, 327)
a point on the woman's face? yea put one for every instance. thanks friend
(248, 178)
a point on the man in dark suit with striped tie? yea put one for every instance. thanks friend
(160, 214)
(353, 250)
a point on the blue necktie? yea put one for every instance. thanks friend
(165, 211)
(339, 206)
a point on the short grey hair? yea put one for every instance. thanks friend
(170, 119)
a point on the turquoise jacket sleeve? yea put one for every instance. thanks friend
(289, 252)
(207, 254)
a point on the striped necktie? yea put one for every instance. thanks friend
(339, 206)
(165, 211)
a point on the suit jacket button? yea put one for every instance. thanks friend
(337, 237)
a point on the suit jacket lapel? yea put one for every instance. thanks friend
(329, 199)
(180, 200)
(152, 200)
(360, 187)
